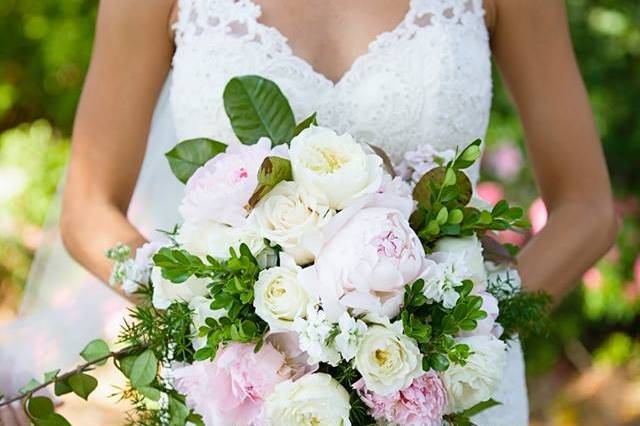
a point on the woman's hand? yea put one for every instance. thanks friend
(13, 415)
(132, 55)
(532, 47)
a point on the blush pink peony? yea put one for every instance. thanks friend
(364, 262)
(219, 190)
(420, 404)
(231, 390)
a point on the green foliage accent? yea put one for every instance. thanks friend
(464, 418)
(62, 387)
(95, 350)
(31, 385)
(188, 156)
(305, 124)
(433, 326)
(257, 108)
(347, 375)
(50, 375)
(144, 369)
(524, 314)
(273, 170)
(40, 407)
(82, 384)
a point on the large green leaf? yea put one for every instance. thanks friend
(186, 157)
(144, 369)
(96, 349)
(257, 108)
(82, 384)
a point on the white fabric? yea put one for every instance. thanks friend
(428, 81)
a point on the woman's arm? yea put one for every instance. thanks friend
(532, 47)
(131, 57)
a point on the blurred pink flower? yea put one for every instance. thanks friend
(512, 237)
(592, 278)
(491, 192)
(505, 160)
(420, 404)
(537, 215)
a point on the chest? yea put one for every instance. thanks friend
(425, 79)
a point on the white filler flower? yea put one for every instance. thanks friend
(313, 335)
(352, 330)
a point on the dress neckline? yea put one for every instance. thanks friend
(371, 46)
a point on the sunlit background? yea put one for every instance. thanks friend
(586, 371)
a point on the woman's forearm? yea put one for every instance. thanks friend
(87, 234)
(575, 236)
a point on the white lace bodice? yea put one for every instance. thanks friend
(426, 81)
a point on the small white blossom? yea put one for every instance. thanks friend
(444, 272)
(351, 332)
(313, 334)
(502, 281)
(416, 163)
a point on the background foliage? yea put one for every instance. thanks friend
(594, 343)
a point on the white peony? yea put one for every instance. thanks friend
(387, 359)
(165, 292)
(280, 296)
(315, 399)
(313, 336)
(352, 331)
(478, 379)
(215, 239)
(287, 215)
(472, 250)
(201, 307)
(335, 166)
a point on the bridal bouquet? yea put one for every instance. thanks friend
(310, 285)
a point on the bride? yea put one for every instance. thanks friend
(395, 74)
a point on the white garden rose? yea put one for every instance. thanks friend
(335, 166)
(165, 292)
(280, 296)
(215, 239)
(474, 260)
(387, 359)
(201, 307)
(478, 379)
(287, 215)
(315, 399)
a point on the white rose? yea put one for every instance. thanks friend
(165, 292)
(201, 307)
(216, 240)
(334, 166)
(315, 399)
(288, 214)
(477, 380)
(472, 249)
(387, 359)
(280, 296)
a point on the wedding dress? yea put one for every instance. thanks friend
(427, 81)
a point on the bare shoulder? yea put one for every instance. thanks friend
(139, 15)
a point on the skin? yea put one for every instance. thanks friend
(531, 45)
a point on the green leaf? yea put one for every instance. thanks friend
(439, 362)
(273, 170)
(31, 385)
(96, 349)
(178, 412)
(54, 419)
(480, 407)
(40, 407)
(82, 384)
(186, 157)
(50, 375)
(468, 156)
(149, 392)
(144, 369)
(61, 387)
(305, 124)
(126, 364)
(257, 108)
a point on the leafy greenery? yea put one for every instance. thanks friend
(524, 314)
(257, 108)
(187, 156)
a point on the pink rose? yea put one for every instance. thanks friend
(231, 389)
(420, 404)
(366, 258)
(219, 190)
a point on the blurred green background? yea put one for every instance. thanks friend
(585, 372)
